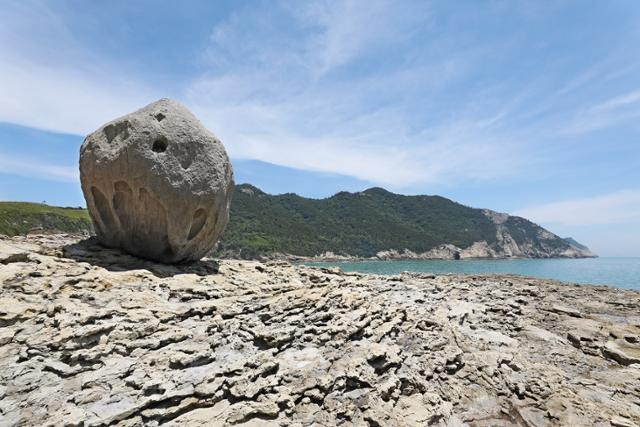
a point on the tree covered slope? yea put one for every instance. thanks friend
(366, 223)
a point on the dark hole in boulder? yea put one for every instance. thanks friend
(159, 146)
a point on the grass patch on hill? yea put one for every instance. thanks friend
(24, 217)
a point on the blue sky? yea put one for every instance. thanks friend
(530, 108)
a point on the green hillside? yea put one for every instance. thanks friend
(351, 223)
(23, 217)
(359, 224)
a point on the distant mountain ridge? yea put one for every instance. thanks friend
(374, 223)
(380, 224)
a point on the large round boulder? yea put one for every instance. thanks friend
(157, 184)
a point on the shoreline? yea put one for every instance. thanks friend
(298, 258)
(614, 272)
(349, 258)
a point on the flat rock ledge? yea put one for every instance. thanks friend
(91, 337)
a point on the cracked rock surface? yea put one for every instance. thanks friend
(90, 336)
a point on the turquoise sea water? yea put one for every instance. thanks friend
(617, 272)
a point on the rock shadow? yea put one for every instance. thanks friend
(90, 251)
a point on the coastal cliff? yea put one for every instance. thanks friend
(90, 336)
(537, 244)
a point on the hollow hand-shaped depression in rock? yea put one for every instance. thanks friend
(157, 184)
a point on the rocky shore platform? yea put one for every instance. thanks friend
(89, 337)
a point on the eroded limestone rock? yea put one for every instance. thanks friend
(157, 183)
(90, 336)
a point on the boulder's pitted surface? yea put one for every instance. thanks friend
(89, 336)
(157, 184)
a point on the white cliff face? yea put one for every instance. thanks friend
(478, 250)
(439, 252)
(543, 244)
(447, 251)
(496, 217)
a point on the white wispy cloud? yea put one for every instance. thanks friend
(310, 131)
(347, 29)
(49, 80)
(610, 112)
(35, 168)
(64, 99)
(619, 102)
(282, 92)
(274, 101)
(616, 207)
(269, 101)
